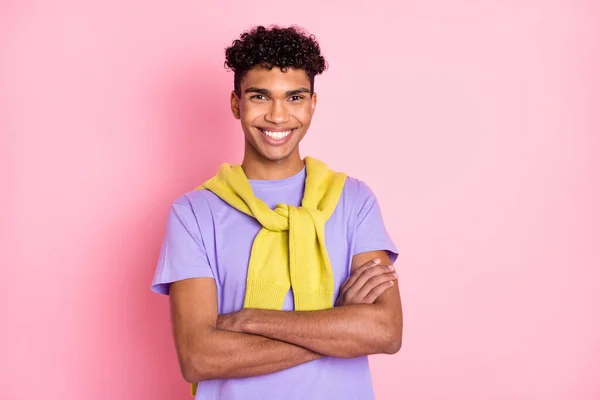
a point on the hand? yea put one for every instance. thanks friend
(366, 283)
(232, 321)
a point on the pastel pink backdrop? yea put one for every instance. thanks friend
(476, 123)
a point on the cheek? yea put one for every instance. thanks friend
(249, 115)
(304, 115)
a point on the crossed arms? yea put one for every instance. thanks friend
(367, 319)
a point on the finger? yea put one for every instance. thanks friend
(358, 271)
(371, 272)
(377, 291)
(374, 282)
(343, 288)
(368, 274)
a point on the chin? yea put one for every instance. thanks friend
(274, 157)
(278, 154)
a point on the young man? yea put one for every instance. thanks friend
(279, 270)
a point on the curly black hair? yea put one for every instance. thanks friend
(274, 47)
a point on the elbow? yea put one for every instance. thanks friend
(393, 340)
(194, 369)
(201, 360)
(393, 346)
(190, 372)
(190, 376)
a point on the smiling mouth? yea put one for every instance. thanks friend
(277, 135)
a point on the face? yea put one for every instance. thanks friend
(275, 110)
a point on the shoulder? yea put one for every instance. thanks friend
(357, 191)
(357, 198)
(194, 198)
(201, 203)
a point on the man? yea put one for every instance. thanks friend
(261, 308)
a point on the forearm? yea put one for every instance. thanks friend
(224, 354)
(347, 331)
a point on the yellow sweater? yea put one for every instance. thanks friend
(289, 250)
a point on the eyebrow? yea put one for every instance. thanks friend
(267, 92)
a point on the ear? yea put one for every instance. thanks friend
(313, 102)
(235, 105)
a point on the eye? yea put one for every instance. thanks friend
(296, 98)
(258, 97)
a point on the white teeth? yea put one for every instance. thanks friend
(276, 135)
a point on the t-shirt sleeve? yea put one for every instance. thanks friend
(182, 254)
(371, 233)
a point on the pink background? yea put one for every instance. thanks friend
(476, 123)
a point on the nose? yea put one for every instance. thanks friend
(277, 113)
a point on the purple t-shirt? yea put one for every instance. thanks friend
(206, 237)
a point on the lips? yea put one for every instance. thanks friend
(277, 136)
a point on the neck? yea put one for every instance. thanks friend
(258, 168)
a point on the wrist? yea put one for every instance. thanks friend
(244, 320)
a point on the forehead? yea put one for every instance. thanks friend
(275, 79)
